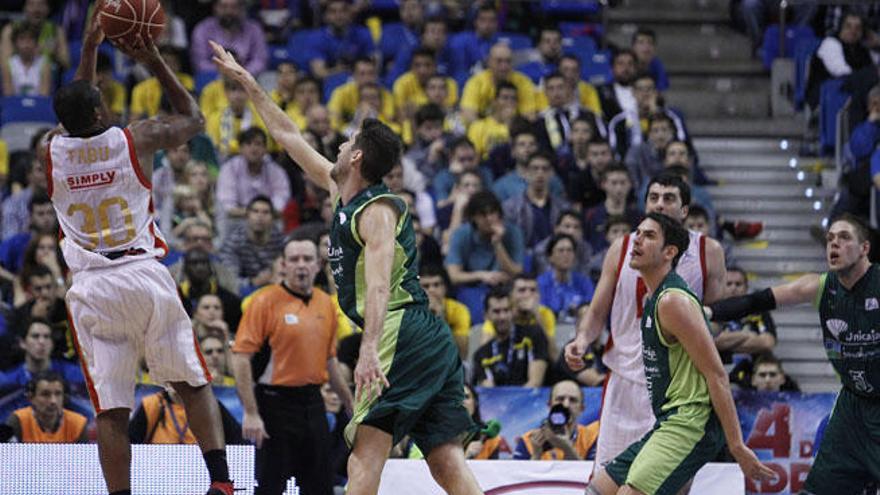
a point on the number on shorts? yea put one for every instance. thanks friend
(100, 217)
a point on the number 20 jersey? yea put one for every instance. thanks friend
(102, 199)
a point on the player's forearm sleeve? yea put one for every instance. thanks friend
(734, 308)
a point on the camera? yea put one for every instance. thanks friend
(558, 418)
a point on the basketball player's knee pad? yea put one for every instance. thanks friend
(591, 490)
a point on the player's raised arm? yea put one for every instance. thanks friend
(803, 290)
(680, 317)
(280, 126)
(92, 38)
(590, 326)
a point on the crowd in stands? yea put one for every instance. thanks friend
(519, 172)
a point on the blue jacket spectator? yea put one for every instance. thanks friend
(470, 48)
(644, 45)
(865, 136)
(404, 35)
(536, 210)
(38, 345)
(335, 47)
(434, 38)
(563, 289)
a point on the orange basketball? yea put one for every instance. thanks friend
(122, 20)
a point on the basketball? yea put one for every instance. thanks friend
(122, 20)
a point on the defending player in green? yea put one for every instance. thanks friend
(689, 390)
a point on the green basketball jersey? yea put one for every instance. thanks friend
(851, 330)
(673, 380)
(347, 256)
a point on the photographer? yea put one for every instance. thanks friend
(560, 437)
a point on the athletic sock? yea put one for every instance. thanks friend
(218, 469)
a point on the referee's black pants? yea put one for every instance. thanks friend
(298, 443)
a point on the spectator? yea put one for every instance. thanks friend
(37, 344)
(249, 249)
(161, 419)
(549, 51)
(42, 221)
(581, 92)
(583, 174)
(42, 249)
(43, 300)
(208, 319)
(450, 211)
(285, 85)
(479, 91)
(318, 124)
(865, 136)
(563, 289)
(568, 222)
(409, 88)
(294, 440)
(478, 447)
(395, 181)
(250, 174)
(113, 92)
(46, 420)
(371, 98)
(200, 235)
(740, 341)
(528, 311)
(339, 43)
(617, 96)
(616, 227)
(345, 101)
(536, 210)
(435, 282)
(187, 205)
(27, 72)
(516, 354)
(617, 187)
(51, 38)
(494, 128)
(337, 419)
(484, 252)
(230, 27)
(644, 46)
(433, 38)
(470, 48)
(437, 91)
(768, 375)
(216, 354)
(698, 219)
(166, 178)
(199, 279)
(306, 94)
(524, 144)
(463, 158)
(837, 56)
(569, 440)
(224, 125)
(427, 153)
(402, 36)
(147, 94)
(555, 122)
(627, 129)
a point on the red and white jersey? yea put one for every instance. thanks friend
(102, 200)
(623, 353)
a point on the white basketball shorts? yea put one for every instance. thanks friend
(123, 312)
(625, 418)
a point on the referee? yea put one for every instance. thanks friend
(287, 341)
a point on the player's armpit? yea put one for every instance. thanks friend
(803, 290)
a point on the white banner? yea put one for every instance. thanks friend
(539, 478)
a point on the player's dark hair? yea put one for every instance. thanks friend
(435, 270)
(261, 198)
(482, 202)
(76, 105)
(556, 238)
(45, 376)
(251, 134)
(674, 234)
(430, 112)
(667, 179)
(863, 231)
(500, 291)
(380, 148)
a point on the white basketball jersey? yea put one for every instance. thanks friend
(102, 200)
(623, 353)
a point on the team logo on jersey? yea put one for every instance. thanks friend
(291, 319)
(871, 304)
(88, 181)
(342, 217)
(836, 326)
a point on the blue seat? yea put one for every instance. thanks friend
(569, 7)
(383, 7)
(770, 44)
(803, 53)
(26, 109)
(203, 78)
(279, 54)
(582, 47)
(597, 71)
(333, 81)
(516, 41)
(299, 47)
(832, 98)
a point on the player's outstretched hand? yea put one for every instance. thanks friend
(227, 65)
(751, 467)
(93, 34)
(574, 353)
(253, 429)
(368, 376)
(140, 49)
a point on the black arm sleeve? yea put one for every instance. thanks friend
(734, 308)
